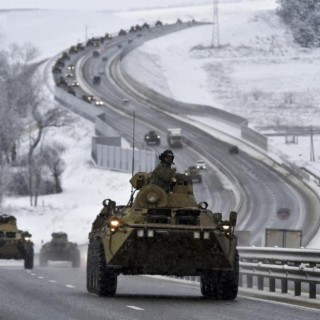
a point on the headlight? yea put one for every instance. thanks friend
(150, 233)
(152, 197)
(115, 223)
(27, 238)
(226, 227)
(206, 235)
(140, 233)
(196, 235)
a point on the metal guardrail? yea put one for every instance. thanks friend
(279, 266)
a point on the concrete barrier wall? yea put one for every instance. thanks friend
(254, 137)
(121, 159)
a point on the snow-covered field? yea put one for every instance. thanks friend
(257, 69)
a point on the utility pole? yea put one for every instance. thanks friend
(215, 30)
(312, 158)
(274, 45)
(86, 33)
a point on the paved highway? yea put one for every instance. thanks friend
(59, 292)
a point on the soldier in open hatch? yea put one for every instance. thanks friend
(164, 175)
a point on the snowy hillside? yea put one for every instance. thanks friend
(258, 72)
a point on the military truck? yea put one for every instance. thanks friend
(174, 137)
(96, 80)
(159, 233)
(194, 174)
(59, 249)
(14, 243)
(96, 54)
(152, 137)
(233, 149)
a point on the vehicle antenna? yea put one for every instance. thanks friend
(133, 133)
(133, 129)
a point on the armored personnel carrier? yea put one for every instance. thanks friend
(59, 249)
(14, 243)
(161, 233)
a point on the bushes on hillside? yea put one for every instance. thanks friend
(303, 17)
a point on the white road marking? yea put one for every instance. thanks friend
(52, 281)
(69, 286)
(40, 277)
(32, 274)
(135, 308)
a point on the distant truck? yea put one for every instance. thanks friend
(174, 137)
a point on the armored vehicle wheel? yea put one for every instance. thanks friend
(90, 267)
(28, 259)
(221, 285)
(101, 280)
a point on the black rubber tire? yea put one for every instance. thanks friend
(101, 280)
(221, 285)
(28, 260)
(90, 271)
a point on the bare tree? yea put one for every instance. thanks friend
(54, 162)
(15, 74)
(43, 118)
(4, 180)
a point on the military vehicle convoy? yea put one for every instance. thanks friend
(159, 233)
(152, 137)
(59, 249)
(14, 243)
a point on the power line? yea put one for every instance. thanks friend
(215, 30)
(312, 158)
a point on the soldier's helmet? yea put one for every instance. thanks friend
(167, 156)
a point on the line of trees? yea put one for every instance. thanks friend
(303, 17)
(28, 164)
